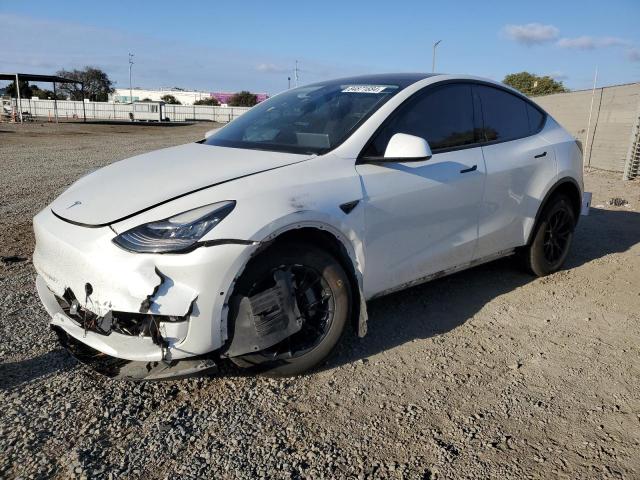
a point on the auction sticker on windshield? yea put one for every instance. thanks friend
(364, 89)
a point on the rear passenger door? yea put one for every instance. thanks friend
(519, 164)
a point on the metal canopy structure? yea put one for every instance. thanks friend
(31, 77)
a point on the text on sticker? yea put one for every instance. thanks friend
(364, 89)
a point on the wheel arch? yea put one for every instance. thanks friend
(568, 186)
(331, 240)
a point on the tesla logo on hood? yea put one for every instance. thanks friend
(77, 202)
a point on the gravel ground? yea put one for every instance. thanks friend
(486, 373)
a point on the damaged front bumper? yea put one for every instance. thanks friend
(120, 369)
(184, 295)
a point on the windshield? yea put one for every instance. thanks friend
(312, 119)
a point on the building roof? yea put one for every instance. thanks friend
(32, 77)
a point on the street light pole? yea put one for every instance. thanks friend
(130, 84)
(433, 64)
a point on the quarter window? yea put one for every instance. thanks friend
(505, 115)
(536, 119)
(443, 117)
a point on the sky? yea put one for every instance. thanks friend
(251, 45)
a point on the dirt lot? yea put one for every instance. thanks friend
(487, 373)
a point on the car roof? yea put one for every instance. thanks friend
(403, 80)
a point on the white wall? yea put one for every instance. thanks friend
(184, 97)
(616, 110)
(68, 109)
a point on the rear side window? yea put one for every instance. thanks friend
(443, 117)
(505, 115)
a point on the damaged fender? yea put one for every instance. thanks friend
(351, 243)
(245, 337)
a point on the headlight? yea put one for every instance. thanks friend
(175, 234)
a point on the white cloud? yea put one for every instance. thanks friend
(531, 33)
(271, 68)
(586, 42)
(633, 54)
(558, 76)
(536, 33)
(582, 43)
(612, 42)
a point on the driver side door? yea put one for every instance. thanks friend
(422, 217)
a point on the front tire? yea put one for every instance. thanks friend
(552, 238)
(323, 294)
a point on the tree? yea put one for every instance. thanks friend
(170, 99)
(146, 100)
(45, 94)
(26, 91)
(207, 101)
(533, 85)
(97, 85)
(243, 99)
(48, 95)
(30, 91)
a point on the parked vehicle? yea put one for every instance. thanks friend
(7, 107)
(261, 243)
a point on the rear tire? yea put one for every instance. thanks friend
(552, 237)
(332, 282)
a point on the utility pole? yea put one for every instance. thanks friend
(433, 63)
(295, 76)
(130, 84)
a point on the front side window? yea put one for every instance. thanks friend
(442, 116)
(312, 119)
(505, 115)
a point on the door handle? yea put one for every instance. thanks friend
(540, 155)
(470, 169)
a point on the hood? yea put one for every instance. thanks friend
(130, 186)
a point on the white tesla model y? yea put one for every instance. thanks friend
(261, 243)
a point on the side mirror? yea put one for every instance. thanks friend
(210, 132)
(404, 148)
(407, 148)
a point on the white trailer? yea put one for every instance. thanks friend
(148, 112)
